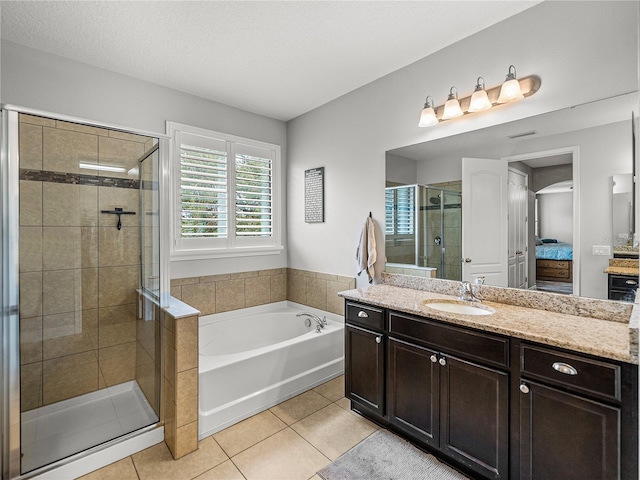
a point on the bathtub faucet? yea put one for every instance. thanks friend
(320, 322)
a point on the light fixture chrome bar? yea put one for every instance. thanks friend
(528, 85)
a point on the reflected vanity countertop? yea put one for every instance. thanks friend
(604, 338)
(620, 266)
(622, 270)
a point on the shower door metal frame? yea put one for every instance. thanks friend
(10, 420)
(10, 297)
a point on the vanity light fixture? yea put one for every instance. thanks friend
(452, 106)
(479, 100)
(482, 98)
(510, 90)
(428, 115)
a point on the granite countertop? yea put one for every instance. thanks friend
(621, 270)
(622, 266)
(603, 338)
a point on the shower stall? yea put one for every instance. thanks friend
(81, 358)
(423, 227)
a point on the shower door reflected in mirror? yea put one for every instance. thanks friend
(89, 343)
(423, 228)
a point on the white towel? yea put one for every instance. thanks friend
(366, 252)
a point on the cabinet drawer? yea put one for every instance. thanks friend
(465, 343)
(552, 273)
(552, 264)
(366, 316)
(577, 373)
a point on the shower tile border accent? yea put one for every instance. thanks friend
(224, 292)
(80, 179)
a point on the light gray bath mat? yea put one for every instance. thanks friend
(385, 456)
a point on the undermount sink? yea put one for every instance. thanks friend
(463, 308)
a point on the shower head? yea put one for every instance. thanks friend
(435, 200)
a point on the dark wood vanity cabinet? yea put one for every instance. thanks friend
(577, 416)
(364, 368)
(365, 358)
(456, 405)
(567, 436)
(493, 406)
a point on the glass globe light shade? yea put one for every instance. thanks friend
(479, 101)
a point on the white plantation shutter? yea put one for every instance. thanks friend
(226, 195)
(389, 211)
(400, 211)
(254, 196)
(203, 194)
(405, 210)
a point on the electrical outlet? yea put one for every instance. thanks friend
(601, 250)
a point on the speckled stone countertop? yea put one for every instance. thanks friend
(621, 270)
(622, 266)
(596, 336)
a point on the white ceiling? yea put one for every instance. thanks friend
(279, 59)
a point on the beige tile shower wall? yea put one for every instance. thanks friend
(222, 293)
(78, 273)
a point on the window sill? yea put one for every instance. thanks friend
(205, 254)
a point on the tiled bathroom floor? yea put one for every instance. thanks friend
(292, 440)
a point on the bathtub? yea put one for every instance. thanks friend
(254, 358)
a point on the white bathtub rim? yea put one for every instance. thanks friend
(268, 308)
(207, 362)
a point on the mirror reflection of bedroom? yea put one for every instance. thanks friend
(551, 178)
(554, 227)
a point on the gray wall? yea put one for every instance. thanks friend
(545, 176)
(551, 40)
(555, 216)
(38, 80)
(400, 170)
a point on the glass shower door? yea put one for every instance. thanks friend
(89, 344)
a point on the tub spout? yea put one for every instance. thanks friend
(320, 322)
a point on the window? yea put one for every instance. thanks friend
(226, 195)
(399, 210)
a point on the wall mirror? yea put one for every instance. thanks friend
(558, 167)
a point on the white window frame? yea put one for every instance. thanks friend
(231, 246)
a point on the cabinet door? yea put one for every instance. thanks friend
(475, 416)
(364, 368)
(413, 390)
(566, 436)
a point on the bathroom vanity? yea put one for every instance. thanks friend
(521, 393)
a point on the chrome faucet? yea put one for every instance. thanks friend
(466, 291)
(320, 322)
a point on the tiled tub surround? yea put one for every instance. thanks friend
(222, 293)
(179, 399)
(591, 326)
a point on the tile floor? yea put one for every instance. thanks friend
(292, 440)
